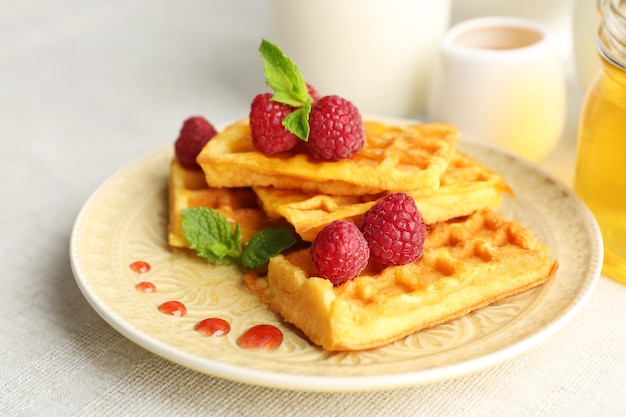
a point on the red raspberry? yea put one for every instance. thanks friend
(394, 230)
(337, 130)
(268, 133)
(313, 92)
(339, 252)
(194, 134)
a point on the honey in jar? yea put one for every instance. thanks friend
(601, 155)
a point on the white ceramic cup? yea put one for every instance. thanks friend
(556, 15)
(501, 79)
(379, 54)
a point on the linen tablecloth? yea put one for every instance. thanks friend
(87, 87)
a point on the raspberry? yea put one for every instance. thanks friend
(336, 129)
(313, 92)
(194, 134)
(339, 252)
(268, 133)
(394, 230)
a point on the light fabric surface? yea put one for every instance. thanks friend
(88, 86)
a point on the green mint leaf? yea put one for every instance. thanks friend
(283, 76)
(297, 122)
(266, 244)
(286, 98)
(285, 79)
(212, 236)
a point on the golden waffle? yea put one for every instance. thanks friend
(188, 189)
(467, 264)
(411, 157)
(466, 186)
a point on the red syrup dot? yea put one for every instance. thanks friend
(145, 286)
(212, 327)
(262, 336)
(140, 267)
(174, 308)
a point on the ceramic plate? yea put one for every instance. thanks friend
(125, 221)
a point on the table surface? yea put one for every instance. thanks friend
(88, 86)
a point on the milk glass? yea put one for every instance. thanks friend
(379, 54)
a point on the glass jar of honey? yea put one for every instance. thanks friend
(600, 178)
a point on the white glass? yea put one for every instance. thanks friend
(501, 79)
(379, 54)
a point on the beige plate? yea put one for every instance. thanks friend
(125, 221)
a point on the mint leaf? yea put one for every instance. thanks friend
(266, 244)
(288, 98)
(297, 122)
(283, 76)
(285, 79)
(212, 236)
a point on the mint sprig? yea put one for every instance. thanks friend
(214, 239)
(212, 236)
(285, 79)
(266, 244)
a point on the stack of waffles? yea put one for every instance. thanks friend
(473, 256)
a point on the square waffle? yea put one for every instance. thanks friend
(465, 186)
(400, 158)
(467, 264)
(188, 189)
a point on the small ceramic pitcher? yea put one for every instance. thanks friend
(501, 79)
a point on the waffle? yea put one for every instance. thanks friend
(411, 157)
(467, 264)
(188, 189)
(466, 186)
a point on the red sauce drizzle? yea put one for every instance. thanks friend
(262, 336)
(259, 337)
(174, 308)
(140, 267)
(212, 327)
(145, 286)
